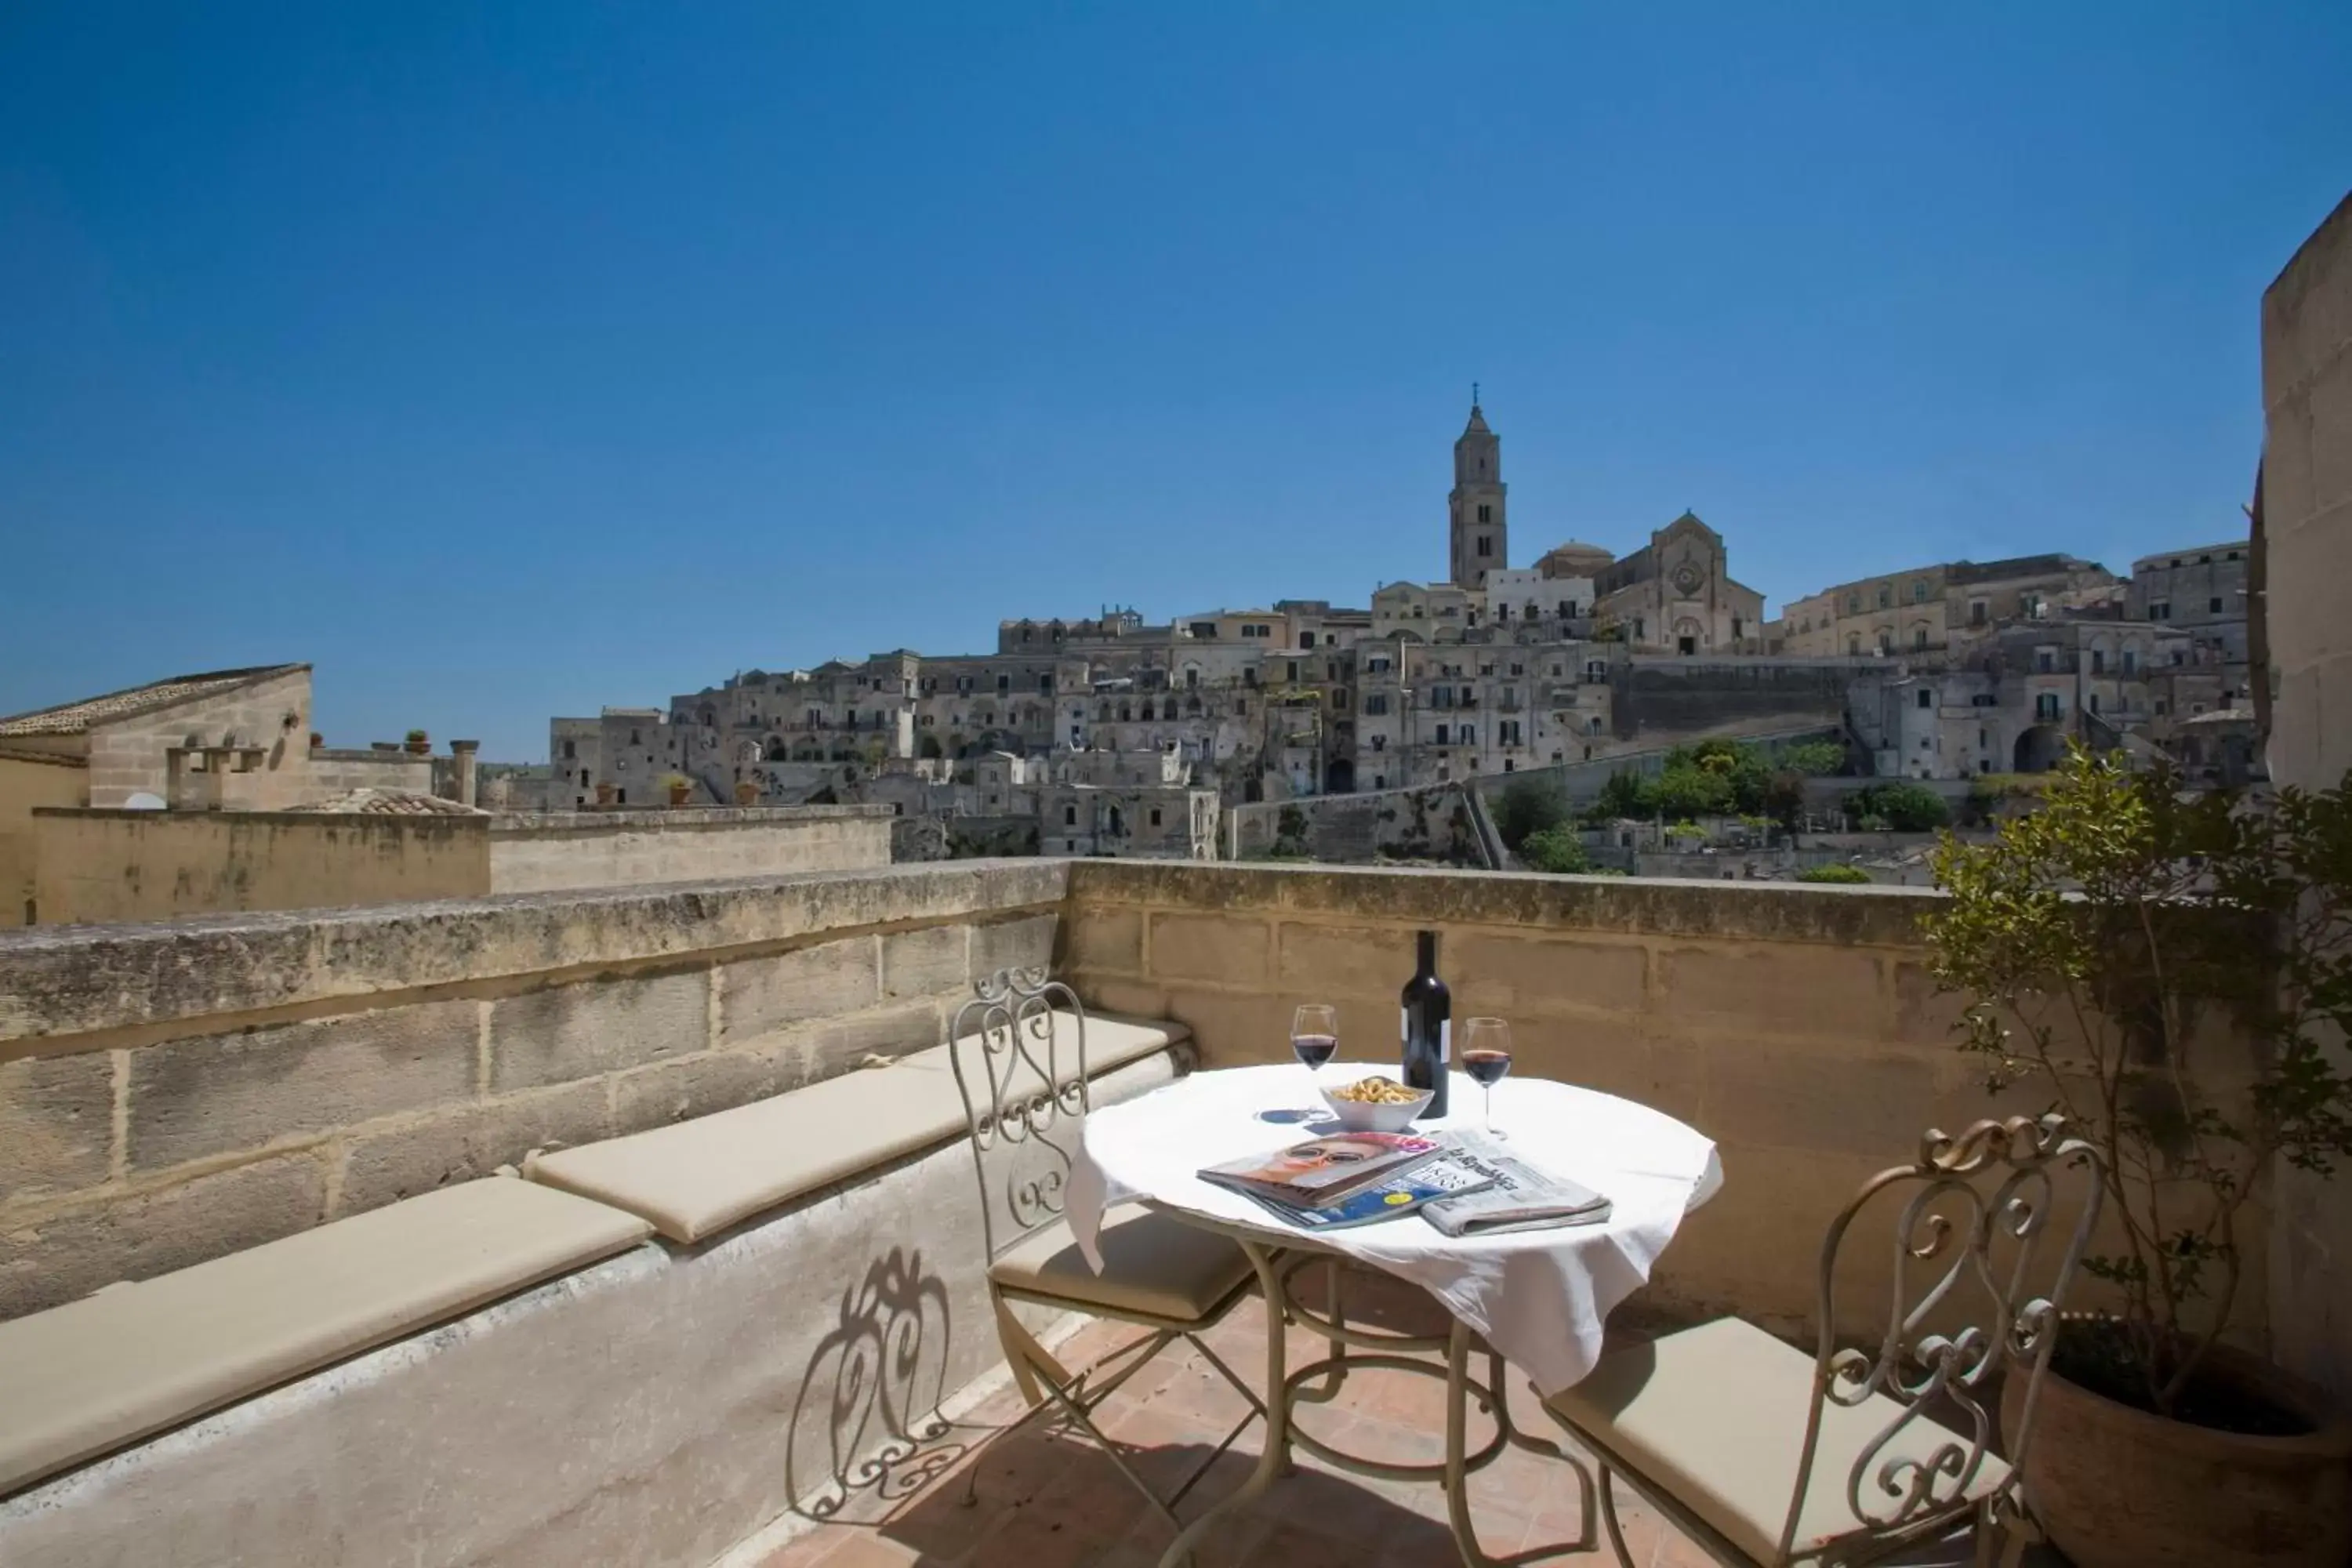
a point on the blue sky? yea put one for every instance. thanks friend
(505, 362)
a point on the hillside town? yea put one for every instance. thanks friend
(1302, 727)
(1114, 735)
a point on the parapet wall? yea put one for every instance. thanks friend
(98, 865)
(172, 1092)
(1796, 1027)
(540, 852)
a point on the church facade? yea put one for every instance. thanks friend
(1676, 594)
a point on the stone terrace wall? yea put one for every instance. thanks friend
(542, 852)
(1795, 1025)
(169, 1093)
(2307, 542)
(94, 866)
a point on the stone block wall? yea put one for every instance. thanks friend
(172, 1092)
(544, 852)
(2307, 537)
(93, 866)
(338, 770)
(126, 755)
(1796, 1027)
(1426, 822)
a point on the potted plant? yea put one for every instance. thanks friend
(2171, 969)
(420, 744)
(680, 788)
(604, 793)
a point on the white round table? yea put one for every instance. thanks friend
(1536, 1299)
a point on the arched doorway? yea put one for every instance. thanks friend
(1339, 776)
(2039, 749)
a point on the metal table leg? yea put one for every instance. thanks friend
(1276, 1455)
(1285, 1389)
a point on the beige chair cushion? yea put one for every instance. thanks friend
(1714, 1416)
(697, 1178)
(92, 1375)
(1151, 1264)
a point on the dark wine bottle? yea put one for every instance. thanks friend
(1428, 1026)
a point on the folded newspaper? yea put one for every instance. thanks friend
(1520, 1196)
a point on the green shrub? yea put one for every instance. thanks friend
(1834, 874)
(1813, 758)
(1557, 849)
(1904, 806)
(1529, 807)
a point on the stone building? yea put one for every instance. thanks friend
(224, 741)
(2201, 591)
(2018, 696)
(1935, 612)
(1676, 594)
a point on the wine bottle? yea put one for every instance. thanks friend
(1428, 1026)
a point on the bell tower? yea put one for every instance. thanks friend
(1480, 539)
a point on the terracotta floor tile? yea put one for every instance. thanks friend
(803, 1550)
(860, 1550)
(1051, 1498)
(1026, 1539)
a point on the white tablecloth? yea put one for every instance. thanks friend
(1539, 1297)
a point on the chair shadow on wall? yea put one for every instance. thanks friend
(872, 1392)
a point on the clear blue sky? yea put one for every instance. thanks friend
(508, 361)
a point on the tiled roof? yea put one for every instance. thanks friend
(388, 803)
(76, 718)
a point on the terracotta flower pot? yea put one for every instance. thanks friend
(2119, 1487)
(680, 794)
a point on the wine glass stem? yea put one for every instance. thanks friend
(1489, 1090)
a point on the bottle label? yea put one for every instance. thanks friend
(1445, 1044)
(1404, 1025)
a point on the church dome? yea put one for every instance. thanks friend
(1575, 559)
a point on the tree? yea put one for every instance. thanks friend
(1784, 799)
(2092, 937)
(1905, 806)
(1695, 790)
(1557, 848)
(1626, 793)
(1815, 759)
(1529, 805)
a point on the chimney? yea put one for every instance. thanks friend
(461, 758)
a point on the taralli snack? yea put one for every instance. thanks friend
(1377, 1090)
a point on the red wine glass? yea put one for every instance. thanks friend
(1486, 1056)
(1314, 1039)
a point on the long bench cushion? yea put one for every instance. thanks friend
(82, 1379)
(697, 1178)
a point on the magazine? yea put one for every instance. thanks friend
(1445, 1177)
(1516, 1196)
(1322, 1170)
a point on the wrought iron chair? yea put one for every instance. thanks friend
(1019, 1050)
(1764, 1460)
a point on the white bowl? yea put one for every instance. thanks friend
(1371, 1116)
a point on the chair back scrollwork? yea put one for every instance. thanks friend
(1019, 1049)
(1974, 1212)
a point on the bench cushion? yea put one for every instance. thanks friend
(1714, 1416)
(1151, 1264)
(695, 1179)
(95, 1374)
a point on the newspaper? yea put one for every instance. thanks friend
(1520, 1197)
